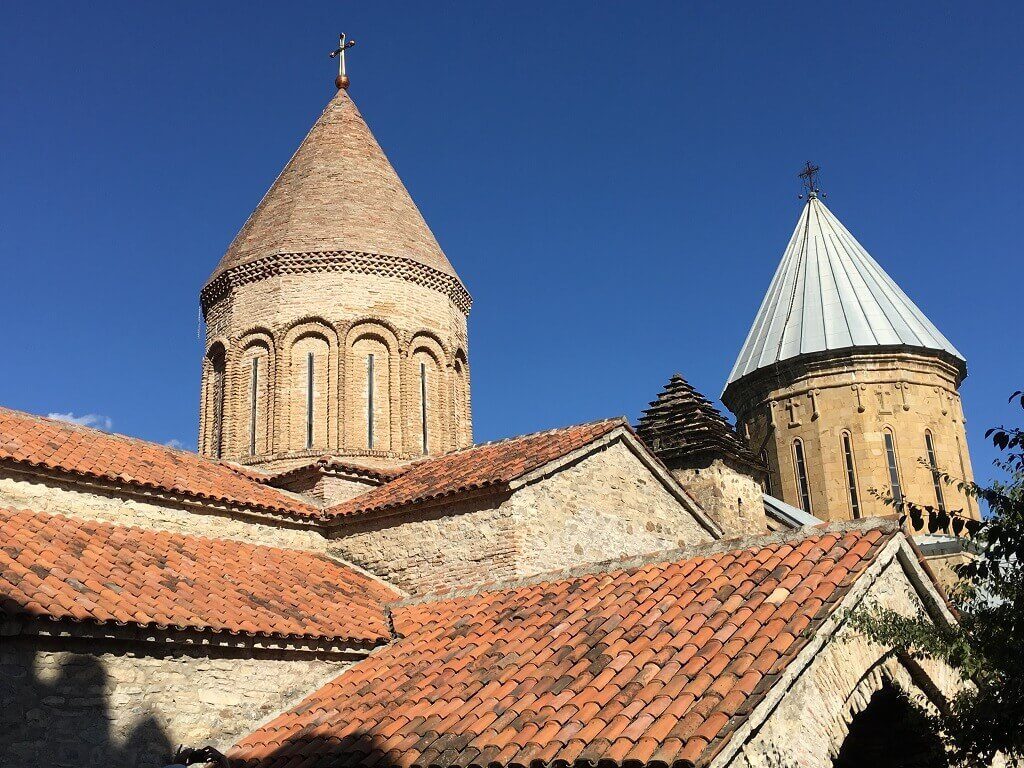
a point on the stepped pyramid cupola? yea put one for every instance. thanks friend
(335, 322)
(705, 454)
(843, 386)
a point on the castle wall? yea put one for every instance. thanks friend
(341, 317)
(606, 505)
(864, 395)
(20, 491)
(810, 722)
(89, 706)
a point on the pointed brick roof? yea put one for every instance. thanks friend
(829, 294)
(338, 192)
(682, 423)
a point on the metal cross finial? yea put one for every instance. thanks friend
(343, 45)
(809, 176)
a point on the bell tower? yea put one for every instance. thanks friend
(335, 323)
(843, 386)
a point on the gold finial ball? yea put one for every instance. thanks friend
(342, 82)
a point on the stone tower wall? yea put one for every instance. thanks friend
(730, 496)
(341, 317)
(863, 394)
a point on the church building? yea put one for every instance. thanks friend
(340, 576)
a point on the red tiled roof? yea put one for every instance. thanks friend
(488, 465)
(64, 568)
(34, 441)
(655, 664)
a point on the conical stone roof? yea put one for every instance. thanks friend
(829, 294)
(337, 193)
(682, 424)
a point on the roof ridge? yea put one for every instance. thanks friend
(526, 435)
(888, 524)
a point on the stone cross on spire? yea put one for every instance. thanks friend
(343, 45)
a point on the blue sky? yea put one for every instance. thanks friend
(614, 182)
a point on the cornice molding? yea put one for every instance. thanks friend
(355, 262)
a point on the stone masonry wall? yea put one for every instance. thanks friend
(19, 491)
(862, 395)
(807, 728)
(86, 708)
(606, 505)
(731, 498)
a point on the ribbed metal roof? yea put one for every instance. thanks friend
(829, 294)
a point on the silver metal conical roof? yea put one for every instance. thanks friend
(829, 294)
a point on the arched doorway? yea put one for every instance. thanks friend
(890, 732)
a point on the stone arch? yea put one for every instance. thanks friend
(462, 423)
(427, 401)
(884, 720)
(372, 385)
(212, 396)
(253, 394)
(308, 366)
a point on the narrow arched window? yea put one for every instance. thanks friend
(254, 401)
(894, 470)
(768, 473)
(801, 476)
(369, 401)
(215, 408)
(423, 406)
(309, 400)
(851, 474)
(933, 464)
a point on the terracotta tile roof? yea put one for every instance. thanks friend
(37, 442)
(654, 664)
(64, 568)
(488, 465)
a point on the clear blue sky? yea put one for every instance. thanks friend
(615, 182)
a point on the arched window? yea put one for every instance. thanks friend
(768, 473)
(308, 402)
(427, 425)
(460, 401)
(851, 474)
(255, 378)
(801, 476)
(929, 445)
(368, 413)
(893, 464)
(217, 365)
(254, 403)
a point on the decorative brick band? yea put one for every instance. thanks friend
(357, 262)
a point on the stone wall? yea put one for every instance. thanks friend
(605, 505)
(20, 491)
(862, 395)
(81, 706)
(341, 318)
(731, 498)
(808, 726)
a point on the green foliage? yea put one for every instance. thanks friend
(987, 646)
